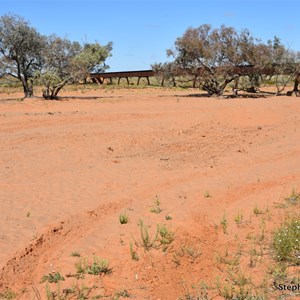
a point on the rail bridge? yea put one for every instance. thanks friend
(100, 77)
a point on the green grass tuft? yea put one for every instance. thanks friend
(124, 218)
(53, 278)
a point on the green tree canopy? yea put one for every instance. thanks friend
(66, 61)
(47, 60)
(20, 50)
(213, 52)
(215, 57)
(92, 58)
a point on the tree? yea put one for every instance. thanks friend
(92, 58)
(20, 50)
(65, 60)
(286, 64)
(214, 53)
(57, 68)
(166, 72)
(297, 77)
(272, 60)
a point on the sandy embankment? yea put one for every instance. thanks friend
(69, 168)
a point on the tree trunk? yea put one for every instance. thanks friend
(284, 83)
(195, 81)
(47, 93)
(297, 81)
(51, 92)
(27, 88)
(235, 87)
(213, 86)
(174, 82)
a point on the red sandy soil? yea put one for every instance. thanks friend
(69, 168)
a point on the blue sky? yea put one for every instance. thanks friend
(141, 31)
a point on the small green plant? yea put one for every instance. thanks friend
(253, 261)
(257, 211)
(176, 259)
(156, 206)
(75, 254)
(224, 223)
(49, 293)
(291, 200)
(262, 227)
(146, 241)
(81, 292)
(226, 290)
(80, 266)
(238, 219)
(165, 236)
(98, 266)
(229, 259)
(122, 293)
(191, 251)
(8, 295)
(286, 241)
(207, 194)
(237, 286)
(168, 217)
(76, 292)
(279, 272)
(294, 198)
(198, 292)
(255, 254)
(124, 218)
(52, 278)
(133, 253)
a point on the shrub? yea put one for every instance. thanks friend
(8, 294)
(98, 266)
(287, 241)
(294, 198)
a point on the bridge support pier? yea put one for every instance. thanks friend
(125, 78)
(148, 81)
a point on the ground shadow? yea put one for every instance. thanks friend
(239, 96)
(63, 98)
(11, 99)
(248, 96)
(200, 95)
(66, 98)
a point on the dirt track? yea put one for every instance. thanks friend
(70, 167)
